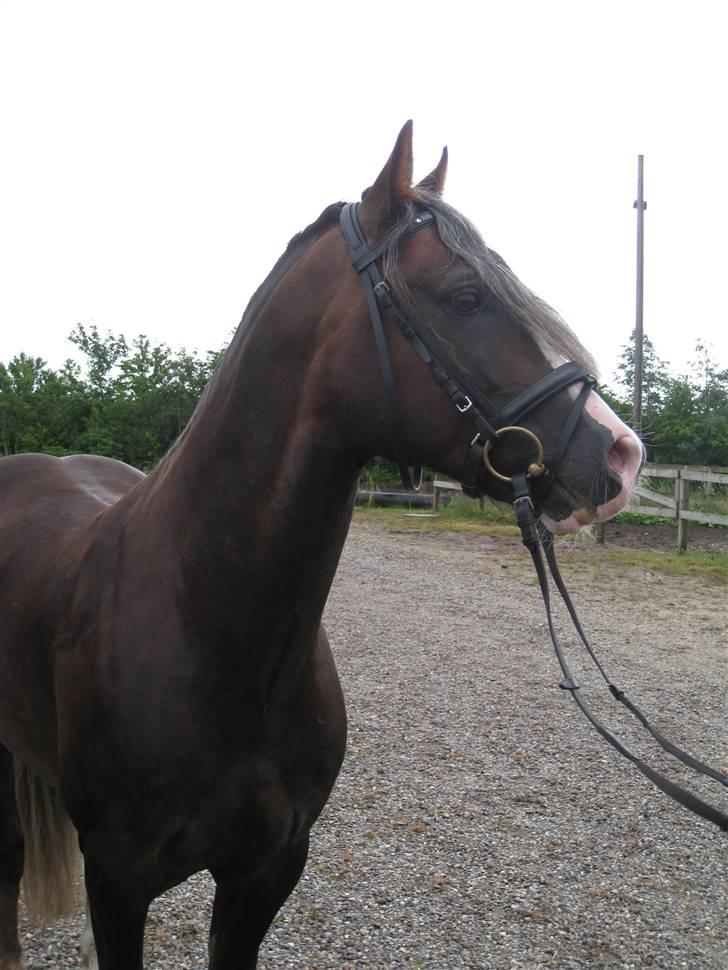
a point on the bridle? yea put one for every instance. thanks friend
(530, 486)
(488, 423)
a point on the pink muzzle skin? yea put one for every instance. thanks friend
(625, 457)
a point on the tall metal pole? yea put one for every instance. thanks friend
(640, 205)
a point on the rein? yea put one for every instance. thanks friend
(539, 542)
(533, 484)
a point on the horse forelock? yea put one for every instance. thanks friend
(463, 240)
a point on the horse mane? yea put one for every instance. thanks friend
(330, 215)
(293, 250)
(464, 241)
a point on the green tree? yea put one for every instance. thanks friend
(692, 427)
(655, 380)
(128, 401)
(19, 382)
(102, 355)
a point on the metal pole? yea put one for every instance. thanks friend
(640, 205)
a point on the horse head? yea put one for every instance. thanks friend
(455, 312)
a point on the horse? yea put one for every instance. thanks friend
(167, 691)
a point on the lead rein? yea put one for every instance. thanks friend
(539, 542)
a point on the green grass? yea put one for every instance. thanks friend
(402, 519)
(460, 514)
(710, 566)
(465, 516)
(643, 518)
(460, 508)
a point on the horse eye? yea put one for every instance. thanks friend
(467, 301)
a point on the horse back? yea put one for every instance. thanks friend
(49, 508)
(48, 512)
(80, 485)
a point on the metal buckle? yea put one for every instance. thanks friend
(381, 290)
(569, 683)
(462, 408)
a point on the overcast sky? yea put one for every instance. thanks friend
(156, 157)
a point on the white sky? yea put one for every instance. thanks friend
(156, 157)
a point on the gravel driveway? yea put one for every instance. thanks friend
(478, 820)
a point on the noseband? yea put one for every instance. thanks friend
(530, 486)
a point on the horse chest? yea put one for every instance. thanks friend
(200, 771)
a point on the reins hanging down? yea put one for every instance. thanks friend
(539, 541)
(489, 427)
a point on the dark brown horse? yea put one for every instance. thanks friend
(163, 669)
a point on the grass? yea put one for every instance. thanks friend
(403, 520)
(461, 515)
(709, 565)
(643, 518)
(465, 516)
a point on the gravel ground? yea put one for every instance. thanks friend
(478, 820)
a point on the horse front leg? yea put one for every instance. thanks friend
(11, 865)
(117, 906)
(244, 908)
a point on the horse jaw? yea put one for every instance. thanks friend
(625, 458)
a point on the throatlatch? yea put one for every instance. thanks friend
(529, 487)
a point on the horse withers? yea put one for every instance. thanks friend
(165, 681)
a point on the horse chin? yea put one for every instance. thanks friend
(578, 520)
(582, 518)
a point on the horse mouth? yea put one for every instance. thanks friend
(569, 512)
(622, 467)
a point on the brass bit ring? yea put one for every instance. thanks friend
(535, 469)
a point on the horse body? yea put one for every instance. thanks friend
(162, 660)
(192, 714)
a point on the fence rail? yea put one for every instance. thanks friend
(676, 506)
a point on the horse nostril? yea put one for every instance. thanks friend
(626, 455)
(616, 457)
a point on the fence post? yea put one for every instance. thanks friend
(681, 502)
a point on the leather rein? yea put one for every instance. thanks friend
(529, 486)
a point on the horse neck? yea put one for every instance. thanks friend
(258, 492)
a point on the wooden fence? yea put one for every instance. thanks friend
(677, 506)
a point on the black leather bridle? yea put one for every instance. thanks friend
(529, 486)
(488, 423)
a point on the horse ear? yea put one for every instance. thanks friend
(392, 188)
(435, 181)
